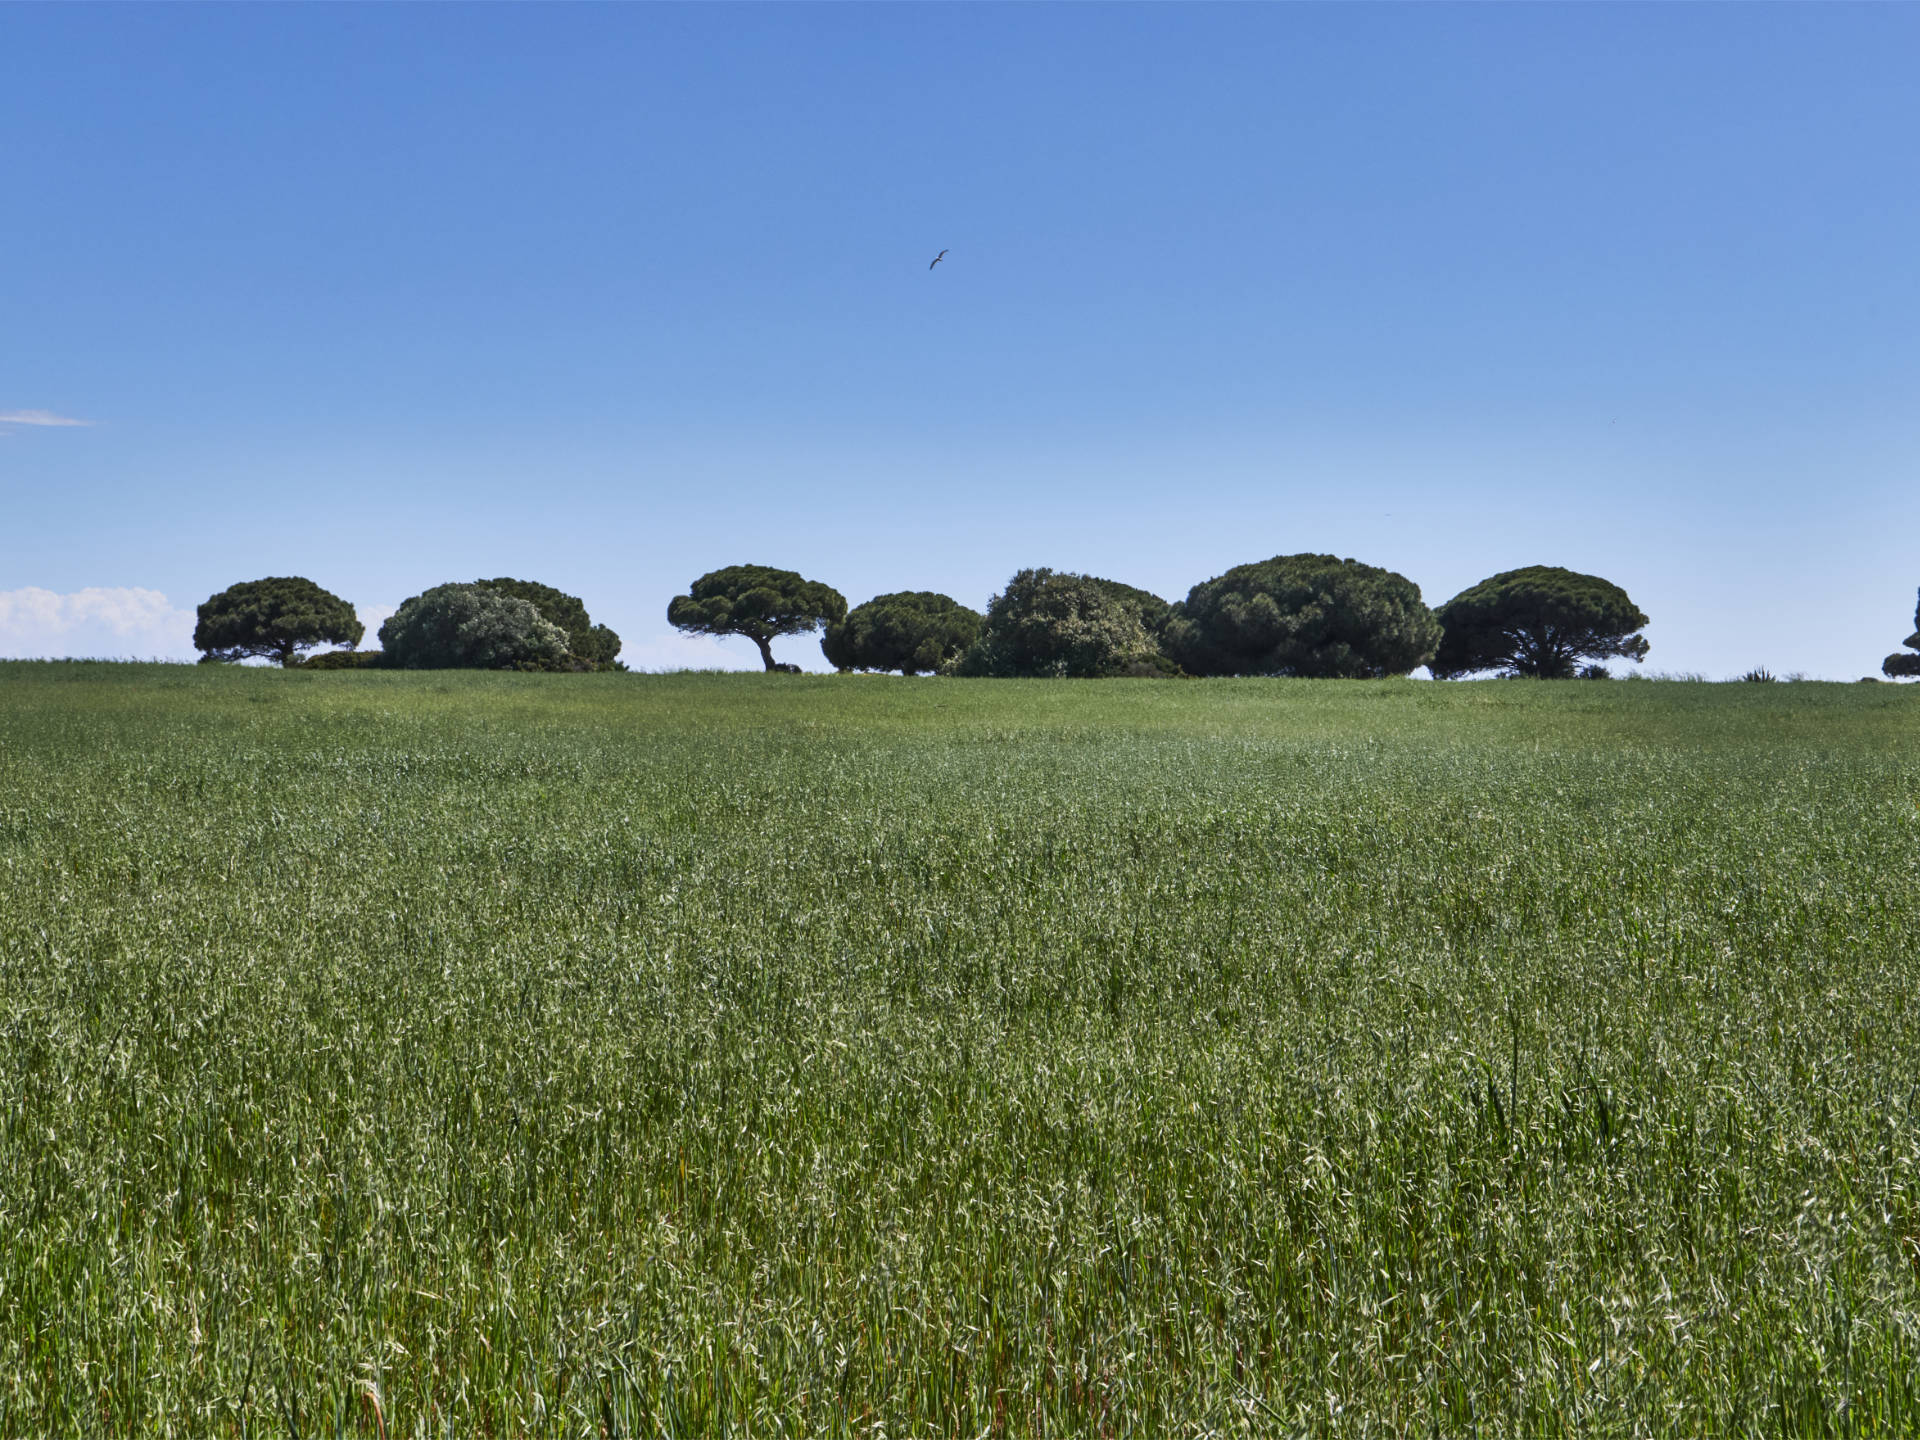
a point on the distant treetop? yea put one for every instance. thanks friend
(594, 645)
(1304, 615)
(471, 627)
(1541, 621)
(758, 602)
(913, 631)
(275, 618)
(1055, 624)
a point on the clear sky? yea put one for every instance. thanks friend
(610, 296)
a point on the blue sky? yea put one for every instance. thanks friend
(611, 296)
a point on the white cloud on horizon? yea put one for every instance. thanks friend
(674, 651)
(373, 617)
(116, 622)
(38, 417)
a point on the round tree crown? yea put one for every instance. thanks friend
(278, 617)
(755, 600)
(472, 627)
(1304, 615)
(912, 631)
(594, 644)
(1538, 621)
(1057, 624)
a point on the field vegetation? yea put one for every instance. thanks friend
(498, 1054)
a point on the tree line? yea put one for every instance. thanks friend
(1312, 616)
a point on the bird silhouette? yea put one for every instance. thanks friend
(937, 259)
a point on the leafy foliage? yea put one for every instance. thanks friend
(1152, 610)
(1540, 621)
(475, 627)
(1898, 666)
(758, 602)
(1305, 615)
(912, 631)
(1058, 625)
(276, 617)
(596, 645)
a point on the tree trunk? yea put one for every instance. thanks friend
(766, 650)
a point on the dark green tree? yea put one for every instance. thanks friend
(1055, 624)
(913, 631)
(1540, 622)
(1306, 615)
(1903, 667)
(276, 617)
(472, 627)
(594, 645)
(758, 602)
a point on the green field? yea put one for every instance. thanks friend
(511, 1055)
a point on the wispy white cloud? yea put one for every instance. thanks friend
(38, 417)
(118, 622)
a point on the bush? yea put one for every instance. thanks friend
(471, 627)
(594, 647)
(1306, 615)
(1059, 625)
(343, 660)
(912, 631)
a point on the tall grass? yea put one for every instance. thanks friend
(430, 1055)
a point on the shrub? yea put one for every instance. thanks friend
(1308, 615)
(912, 631)
(595, 647)
(1060, 625)
(343, 660)
(471, 627)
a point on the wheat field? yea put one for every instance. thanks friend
(621, 1055)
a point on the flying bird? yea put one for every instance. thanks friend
(937, 259)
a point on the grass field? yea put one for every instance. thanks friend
(508, 1055)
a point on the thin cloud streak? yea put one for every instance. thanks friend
(38, 417)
